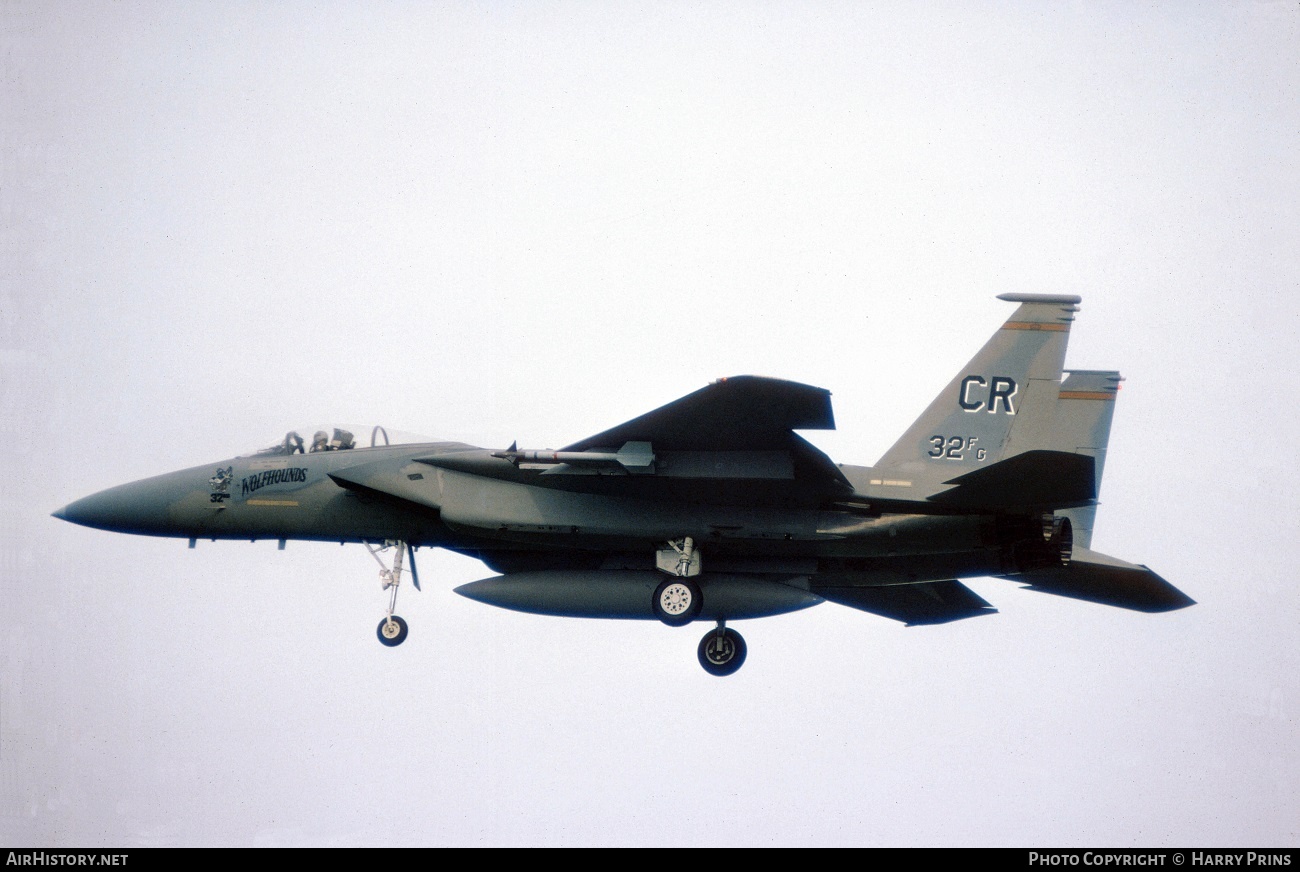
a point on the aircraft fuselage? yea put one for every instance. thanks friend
(395, 493)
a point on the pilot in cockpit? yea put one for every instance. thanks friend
(342, 441)
(292, 444)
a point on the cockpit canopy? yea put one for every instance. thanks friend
(336, 439)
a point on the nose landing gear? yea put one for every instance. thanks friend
(392, 629)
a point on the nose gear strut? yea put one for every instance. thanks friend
(392, 629)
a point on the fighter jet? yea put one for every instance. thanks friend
(712, 508)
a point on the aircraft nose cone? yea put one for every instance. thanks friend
(130, 508)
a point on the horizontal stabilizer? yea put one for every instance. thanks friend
(1103, 579)
(1034, 479)
(935, 602)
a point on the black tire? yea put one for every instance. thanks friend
(722, 656)
(392, 639)
(677, 601)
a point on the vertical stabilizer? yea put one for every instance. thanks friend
(999, 405)
(1084, 409)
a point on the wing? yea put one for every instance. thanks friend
(934, 602)
(743, 413)
(730, 443)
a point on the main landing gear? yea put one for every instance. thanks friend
(679, 600)
(722, 651)
(392, 629)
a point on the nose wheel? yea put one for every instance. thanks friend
(392, 629)
(722, 651)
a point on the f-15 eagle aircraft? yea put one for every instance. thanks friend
(712, 507)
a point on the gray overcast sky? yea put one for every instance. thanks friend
(532, 221)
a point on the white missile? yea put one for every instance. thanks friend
(635, 457)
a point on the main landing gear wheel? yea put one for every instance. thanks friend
(677, 601)
(722, 651)
(392, 631)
